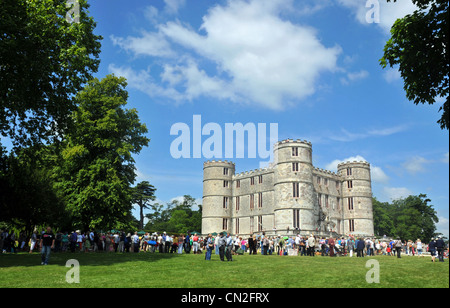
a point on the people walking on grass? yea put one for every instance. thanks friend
(47, 244)
(432, 250)
(440, 247)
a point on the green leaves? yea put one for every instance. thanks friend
(98, 168)
(410, 218)
(44, 62)
(419, 46)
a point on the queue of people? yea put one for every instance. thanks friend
(223, 244)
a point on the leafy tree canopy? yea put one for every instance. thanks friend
(419, 46)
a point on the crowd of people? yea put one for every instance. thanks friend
(223, 244)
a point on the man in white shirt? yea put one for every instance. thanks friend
(135, 241)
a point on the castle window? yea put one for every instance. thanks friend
(295, 151)
(338, 202)
(225, 184)
(350, 203)
(337, 185)
(318, 180)
(296, 190)
(325, 182)
(238, 203)
(237, 226)
(225, 171)
(260, 200)
(349, 171)
(296, 219)
(252, 180)
(238, 184)
(252, 202)
(351, 224)
(225, 224)
(260, 225)
(225, 202)
(350, 184)
(326, 201)
(294, 166)
(260, 179)
(319, 197)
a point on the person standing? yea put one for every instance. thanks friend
(419, 247)
(222, 245)
(331, 244)
(311, 245)
(350, 247)
(195, 244)
(136, 242)
(209, 247)
(265, 245)
(398, 247)
(432, 250)
(73, 241)
(229, 247)
(360, 248)
(33, 240)
(47, 244)
(440, 246)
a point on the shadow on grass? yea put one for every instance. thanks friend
(92, 259)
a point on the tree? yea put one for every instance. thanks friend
(383, 222)
(419, 46)
(97, 167)
(177, 217)
(409, 218)
(143, 193)
(28, 198)
(44, 62)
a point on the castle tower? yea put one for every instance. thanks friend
(295, 199)
(217, 196)
(357, 198)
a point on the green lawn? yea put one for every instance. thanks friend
(181, 271)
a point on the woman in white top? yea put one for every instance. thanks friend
(419, 248)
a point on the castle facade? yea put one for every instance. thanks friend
(291, 196)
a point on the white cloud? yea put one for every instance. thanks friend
(172, 6)
(391, 75)
(143, 82)
(415, 164)
(389, 11)
(395, 193)
(257, 56)
(346, 136)
(445, 159)
(351, 77)
(333, 165)
(149, 44)
(443, 226)
(377, 174)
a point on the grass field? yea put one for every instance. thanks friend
(148, 270)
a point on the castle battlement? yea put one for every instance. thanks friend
(218, 162)
(351, 163)
(325, 172)
(291, 141)
(255, 172)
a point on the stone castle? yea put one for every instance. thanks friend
(290, 196)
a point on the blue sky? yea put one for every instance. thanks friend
(310, 66)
